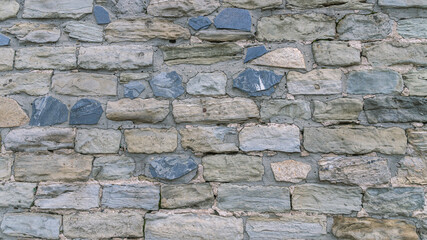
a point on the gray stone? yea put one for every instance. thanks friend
(223, 35)
(416, 82)
(254, 4)
(255, 52)
(234, 18)
(14, 194)
(85, 112)
(374, 82)
(365, 27)
(133, 89)
(35, 32)
(12, 114)
(335, 53)
(187, 195)
(412, 28)
(232, 168)
(199, 22)
(207, 84)
(182, 8)
(84, 84)
(95, 140)
(37, 225)
(113, 168)
(412, 170)
(340, 110)
(287, 57)
(403, 3)
(131, 7)
(84, 31)
(48, 111)
(290, 171)
(171, 168)
(395, 53)
(56, 8)
(209, 139)
(33, 83)
(327, 198)
(151, 140)
(279, 109)
(6, 161)
(138, 110)
(335, 4)
(253, 198)
(167, 85)
(6, 61)
(9, 9)
(257, 83)
(315, 82)
(418, 139)
(139, 196)
(128, 77)
(58, 58)
(101, 15)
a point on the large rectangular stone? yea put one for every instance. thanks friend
(209, 139)
(418, 138)
(59, 58)
(33, 83)
(187, 195)
(36, 225)
(412, 28)
(316, 82)
(403, 3)
(412, 170)
(394, 53)
(151, 140)
(182, 8)
(340, 110)
(140, 196)
(57, 8)
(6, 161)
(6, 62)
(374, 82)
(113, 167)
(416, 82)
(278, 109)
(335, 53)
(84, 84)
(138, 110)
(96, 140)
(13, 194)
(84, 31)
(340, 4)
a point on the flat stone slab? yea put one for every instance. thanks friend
(315, 82)
(96, 140)
(35, 32)
(113, 168)
(138, 196)
(234, 18)
(170, 168)
(365, 27)
(15, 194)
(374, 82)
(187, 195)
(46, 58)
(33, 83)
(37, 225)
(84, 84)
(207, 84)
(151, 140)
(57, 8)
(182, 8)
(198, 23)
(290, 171)
(335, 53)
(84, 31)
(209, 139)
(133, 89)
(138, 110)
(283, 109)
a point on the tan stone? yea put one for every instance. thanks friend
(151, 140)
(11, 114)
(283, 58)
(84, 84)
(33, 83)
(223, 35)
(412, 170)
(35, 32)
(290, 171)
(127, 77)
(209, 139)
(341, 109)
(418, 139)
(6, 61)
(96, 140)
(138, 110)
(9, 9)
(6, 161)
(316, 82)
(182, 8)
(254, 4)
(59, 58)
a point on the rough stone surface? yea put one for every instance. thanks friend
(374, 82)
(209, 139)
(279, 109)
(6, 61)
(84, 84)
(133, 89)
(12, 114)
(255, 52)
(282, 58)
(9, 9)
(84, 31)
(151, 140)
(128, 77)
(167, 85)
(257, 83)
(223, 35)
(113, 168)
(335, 53)
(37, 225)
(316, 82)
(339, 4)
(85, 111)
(394, 53)
(207, 84)
(98, 141)
(341, 110)
(365, 27)
(412, 28)
(5, 166)
(170, 168)
(33, 83)
(412, 170)
(182, 8)
(418, 139)
(199, 23)
(187, 195)
(233, 18)
(139, 196)
(14, 194)
(57, 8)
(62, 58)
(35, 32)
(403, 3)
(254, 4)
(138, 110)
(290, 171)
(416, 82)
(48, 111)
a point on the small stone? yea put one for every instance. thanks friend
(138, 110)
(403, 3)
(223, 35)
(209, 139)
(6, 61)
(58, 58)
(316, 82)
(335, 53)
(128, 77)
(101, 15)
(198, 23)
(167, 85)
(290, 171)
(182, 8)
(339, 5)
(113, 168)
(33, 83)
(396, 53)
(57, 8)
(207, 84)
(9, 9)
(151, 140)
(138, 196)
(35, 32)
(340, 109)
(365, 27)
(48, 111)
(4, 41)
(37, 225)
(412, 28)
(171, 168)
(86, 112)
(278, 109)
(418, 139)
(12, 114)
(255, 52)
(84, 84)
(5, 166)
(257, 83)
(374, 82)
(84, 31)
(234, 18)
(92, 141)
(416, 82)
(187, 195)
(254, 4)
(412, 170)
(19, 195)
(133, 89)
(282, 58)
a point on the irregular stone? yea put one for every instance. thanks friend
(316, 82)
(115, 57)
(280, 108)
(371, 228)
(84, 84)
(128, 77)
(416, 82)
(257, 83)
(363, 170)
(282, 58)
(84, 31)
(182, 8)
(35, 32)
(412, 170)
(207, 84)
(253, 198)
(67, 196)
(19, 195)
(191, 226)
(52, 167)
(412, 28)
(12, 114)
(6, 61)
(254, 4)
(404, 13)
(355, 140)
(56, 8)
(138, 110)
(133, 89)
(37, 225)
(141, 30)
(48, 111)
(395, 53)
(39, 139)
(9, 9)
(335, 53)
(103, 225)
(340, 109)
(232, 168)
(101, 15)
(338, 4)
(33, 83)
(5, 166)
(170, 168)
(113, 168)
(233, 18)
(131, 7)
(290, 171)
(59, 58)
(92, 141)
(255, 52)
(201, 54)
(403, 3)
(212, 110)
(374, 82)
(4, 41)
(223, 35)
(396, 109)
(86, 111)
(418, 139)
(139, 196)
(296, 27)
(167, 85)
(365, 27)
(327, 198)
(187, 195)
(209, 139)
(198, 23)
(151, 140)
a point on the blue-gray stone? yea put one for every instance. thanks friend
(199, 23)
(85, 111)
(4, 41)
(101, 15)
(133, 89)
(257, 83)
(374, 82)
(234, 18)
(167, 85)
(48, 111)
(170, 168)
(255, 52)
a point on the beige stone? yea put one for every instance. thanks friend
(283, 58)
(6, 61)
(412, 170)
(59, 58)
(187, 195)
(182, 8)
(84, 84)
(418, 139)
(341, 109)
(254, 4)
(33, 83)
(6, 161)
(57, 8)
(223, 35)
(127, 77)
(35, 32)
(9, 9)
(96, 140)
(12, 114)
(151, 140)
(315, 82)
(209, 139)
(290, 171)
(138, 110)
(338, 4)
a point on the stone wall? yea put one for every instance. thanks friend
(213, 119)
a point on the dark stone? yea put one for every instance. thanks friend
(170, 168)
(234, 18)
(133, 89)
(257, 83)
(167, 85)
(85, 111)
(198, 23)
(4, 41)
(255, 52)
(48, 111)
(101, 15)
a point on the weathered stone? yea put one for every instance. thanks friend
(113, 168)
(232, 168)
(6, 61)
(182, 8)
(341, 110)
(12, 114)
(128, 77)
(5, 166)
(39, 139)
(171, 168)
(167, 85)
(115, 57)
(14, 194)
(296, 27)
(416, 82)
(393, 53)
(355, 140)
(327, 198)
(418, 139)
(274, 137)
(393, 201)
(207, 84)
(35, 32)
(253, 198)
(187, 195)
(48, 111)
(138, 110)
(363, 171)
(290, 171)
(67, 196)
(374, 82)
(4, 41)
(257, 83)
(403, 3)
(201, 54)
(101, 15)
(335, 53)
(212, 110)
(209, 139)
(151, 140)
(412, 28)
(316, 82)
(335, 4)
(371, 228)
(254, 4)
(255, 52)
(412, 170)
(32, 83)
(56, 8)
(141, 30)
(282, 58)
(234, 18)
(59, 58)
(84, 31)
(198, 23)
(131, 8)
(84, 84)
(223, 35)
(133, 89)
(365, 27)
(191, 226)
(9, 9)
(37, 225)
(279, 108)
(98, 141)
(86, 111)
(140, 196)
(396, 109)
(103, 225)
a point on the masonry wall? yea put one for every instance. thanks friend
(213, 119)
